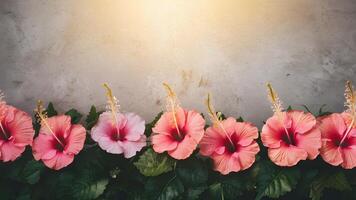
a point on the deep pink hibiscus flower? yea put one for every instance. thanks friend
(58, 141)
(290, 136)
(178, 131)
(119, 133)
(230, 144)
(338, 132)
(16, 132)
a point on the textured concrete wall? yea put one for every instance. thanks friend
(64, 50)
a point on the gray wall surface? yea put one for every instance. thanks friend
(62, 51)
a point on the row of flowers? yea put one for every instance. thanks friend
(289, 135)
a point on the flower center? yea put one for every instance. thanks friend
(118, 135)
(230, 147)
(341, 143)
(4, 132)
(288, 138)
(176, 136)
(57, 145)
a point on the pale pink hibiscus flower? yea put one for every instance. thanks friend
(230, 144)
(16, 132)
(119, 133)
(338, 133)
(178, 131)
(290, 136)
(58, 140)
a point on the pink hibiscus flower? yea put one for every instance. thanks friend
(58, 141)
(230, 144)
(119, 133)
(125, 136)
(338, 132)
(16, 132)
(290, 136)
(178, 131)
(338, 141)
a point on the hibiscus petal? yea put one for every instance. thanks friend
(332, 126)
(110, 145)
(9, 152)
(103, 127)
(246, 133)
(331, 153)
(162, 143)
(270, 137)
(349, 158)
(59, 125)
(76, 138)
(130, 148)
(60, 161)
(220, 150)
(247, 155)
(181, 116)
(42, 144)
(226, 163)
(135, 127)
(20, 127)
(302, 122)
(353, 133)
(195, 125)
(287, 155)
(49, 154)
(184, 148)
(164, 125)
(310, 142)
(212, 141)
(229, 125)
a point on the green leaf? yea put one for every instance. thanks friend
(221, 115)
(216, 191)
(24, 194)
(152, 164)
(274, 181)
(289, 108)
(336, 180)
(92, 117)
(227, 189)
(192, 172)
(194, 193)
(75, 115)
(322, 112)
(91, 190)
(164, 188)
(85, 185)
(306, 108)
(51, 111)
(240, 119)
(149, 126)
(32, 171)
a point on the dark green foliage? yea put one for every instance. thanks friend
(274, 181)
(92, 117)
(165, 187)
(240, 119)
(75, 115)
(51, 111)
(32, 171)
(328, 180)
